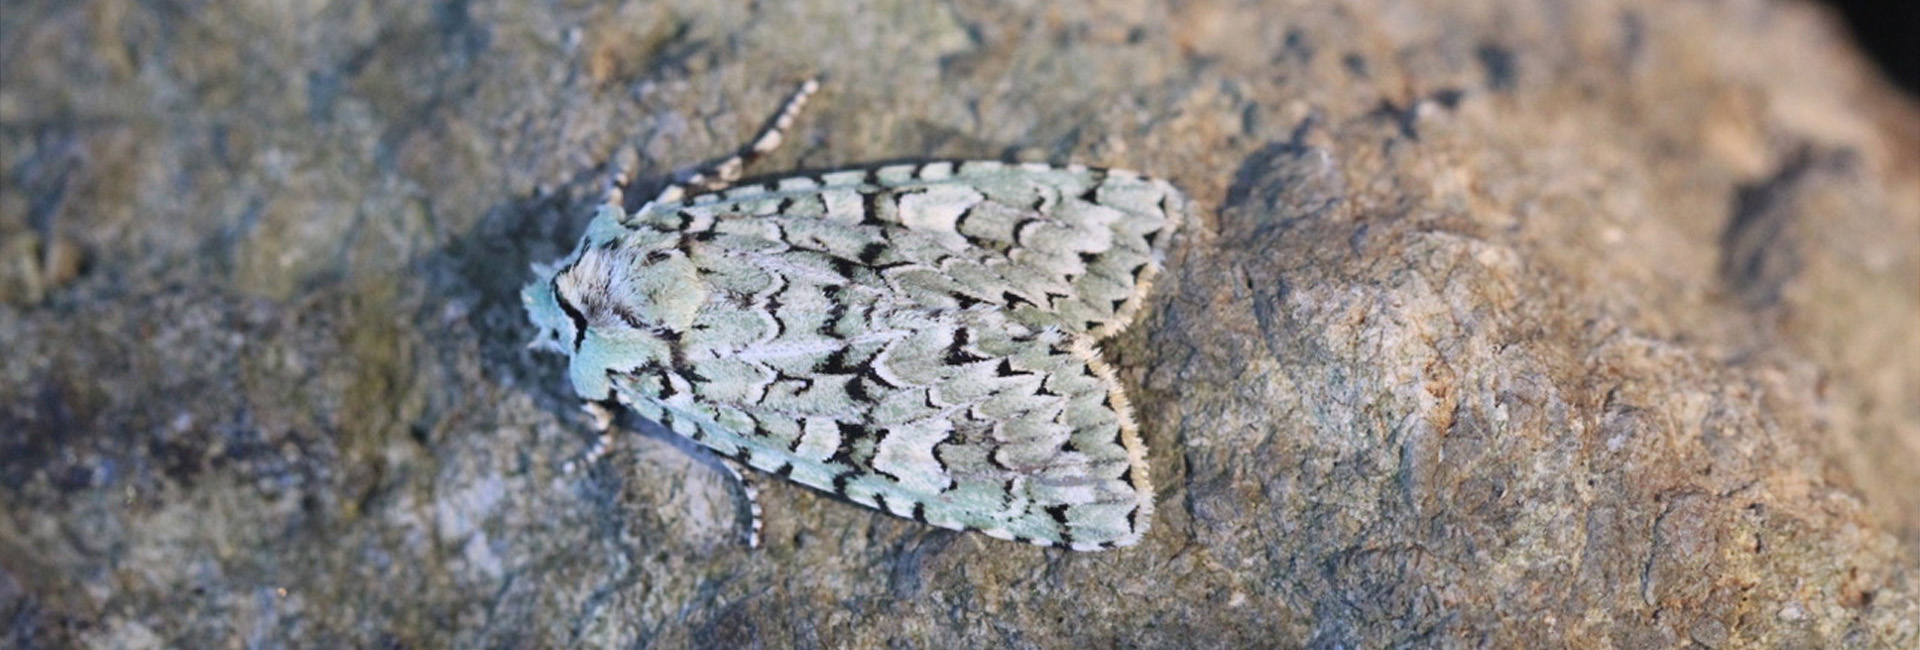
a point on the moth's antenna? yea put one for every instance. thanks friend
(722, 174)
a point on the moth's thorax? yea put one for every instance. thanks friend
(634, 285)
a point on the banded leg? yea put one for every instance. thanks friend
(602, 421)
(602, 415)
(752, 494)
(722, 174)
(615, 191)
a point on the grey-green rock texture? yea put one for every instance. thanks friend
(1498, 324)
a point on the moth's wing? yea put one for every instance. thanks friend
(844, 378)
(963, 421)
(1068, 246)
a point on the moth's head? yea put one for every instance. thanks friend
(555, 330)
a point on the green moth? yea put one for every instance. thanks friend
(915, 338)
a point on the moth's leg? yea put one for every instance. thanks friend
(615, 191)
(602, 422)
(752, 494)
(724, 173)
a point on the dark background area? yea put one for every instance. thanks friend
(1889, 30)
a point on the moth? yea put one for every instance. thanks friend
(915, 338)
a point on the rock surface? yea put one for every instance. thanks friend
(1595, 323)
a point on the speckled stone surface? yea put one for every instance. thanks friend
(1594, 324)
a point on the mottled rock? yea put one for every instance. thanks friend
(1498, 324)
